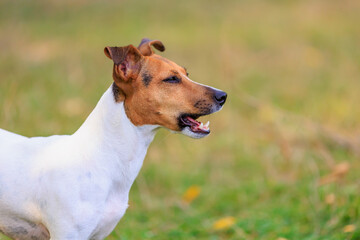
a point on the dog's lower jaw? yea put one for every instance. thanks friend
(79, 183)
(187, 132)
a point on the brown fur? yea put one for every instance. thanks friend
(155, 102)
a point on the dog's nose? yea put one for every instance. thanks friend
(220, 97)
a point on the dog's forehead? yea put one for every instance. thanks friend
(161, 62)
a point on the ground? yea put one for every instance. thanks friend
(282, 160)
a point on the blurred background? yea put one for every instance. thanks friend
(282, 161)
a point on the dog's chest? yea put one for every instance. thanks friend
(112, 212)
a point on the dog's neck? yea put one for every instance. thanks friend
(111, 141)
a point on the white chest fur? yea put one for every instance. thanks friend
(77, 185)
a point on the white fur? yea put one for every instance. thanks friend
(76, 186)
(187, 132)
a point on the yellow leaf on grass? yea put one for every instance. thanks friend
(349, 228)
(224, 223)
(341, 169)
(330, 199)
(281, 238)
(338, 172)
(191, 193)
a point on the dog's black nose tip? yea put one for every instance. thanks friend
(220, 97)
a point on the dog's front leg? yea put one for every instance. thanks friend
(65, 234)
(68, 234)
(71, 227)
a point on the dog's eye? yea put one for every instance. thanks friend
(173, 79)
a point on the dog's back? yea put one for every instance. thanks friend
(19, 216)
(7, 137)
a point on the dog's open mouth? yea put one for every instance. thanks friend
(194, 126)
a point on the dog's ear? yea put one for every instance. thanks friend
(127, 61)
(145, 46)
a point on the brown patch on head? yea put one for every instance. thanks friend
(146, 77)
(154, 89)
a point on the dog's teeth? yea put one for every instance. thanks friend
(201, 125)
(207, 124)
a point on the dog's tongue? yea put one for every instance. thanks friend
(198, 126)
(192, 121)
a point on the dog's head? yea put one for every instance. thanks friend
(157, 91)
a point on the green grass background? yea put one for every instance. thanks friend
(292, 73)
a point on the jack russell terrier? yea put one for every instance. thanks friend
(77, 187)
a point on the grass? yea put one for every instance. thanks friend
(291, 69)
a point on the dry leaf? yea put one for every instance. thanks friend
(341, 169)
(281, 238)
(191, 193)
(224, 223)
(330, 199)
(338, 172)
(349, 228)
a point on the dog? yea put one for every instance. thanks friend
(77, 186)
